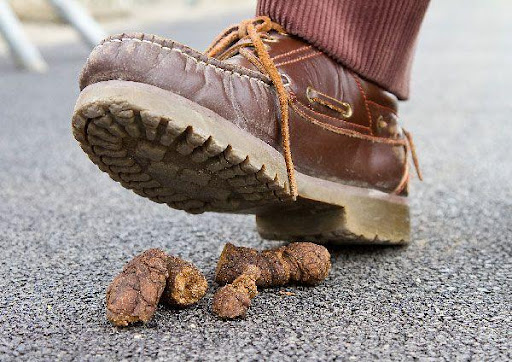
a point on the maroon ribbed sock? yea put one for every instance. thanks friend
(375, 38)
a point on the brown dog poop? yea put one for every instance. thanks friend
(233, 300)
(149, 278)
(186, 284)
(301, 262)
(134, 294)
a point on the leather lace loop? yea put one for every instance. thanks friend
(252, 33)
(412, 149)
(256, 30)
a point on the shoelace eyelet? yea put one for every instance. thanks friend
(286, 80)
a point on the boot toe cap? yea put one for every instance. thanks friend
(238, 94)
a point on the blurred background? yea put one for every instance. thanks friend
(66, 228)
(44, 25)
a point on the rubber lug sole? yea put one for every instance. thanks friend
(173, 151)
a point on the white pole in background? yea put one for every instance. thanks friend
(76, 15)
(25, 53)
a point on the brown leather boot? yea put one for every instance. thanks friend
(263, 123)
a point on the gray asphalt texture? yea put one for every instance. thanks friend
(66, 229)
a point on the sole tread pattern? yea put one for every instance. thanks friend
(155, 143)
(181, 167)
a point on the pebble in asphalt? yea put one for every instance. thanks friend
(67, 229)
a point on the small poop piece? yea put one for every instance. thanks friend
(186, 285)
(134, 294)
(233, 300)
(149, 278)
(301, 263)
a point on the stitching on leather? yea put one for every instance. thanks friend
(356, 78)
(325, 103)
(317, 53)
(292, 52)
(333, 118)
(346, 132)
(328, 105)
(383, 107)
(186, 55)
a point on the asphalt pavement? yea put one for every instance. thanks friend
(66, 229)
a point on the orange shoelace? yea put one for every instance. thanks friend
(411, 148)
(256, 30)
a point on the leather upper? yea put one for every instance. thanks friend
(342, 127)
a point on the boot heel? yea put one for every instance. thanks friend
(330, 212)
